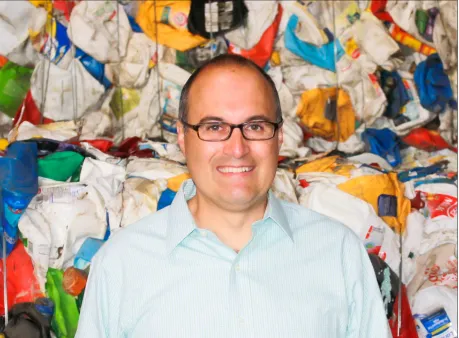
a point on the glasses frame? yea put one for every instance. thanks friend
(239, 126)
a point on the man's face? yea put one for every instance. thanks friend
(235, 95)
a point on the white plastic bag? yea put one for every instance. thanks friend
(133, 70)
(69, 92)
(101, 29)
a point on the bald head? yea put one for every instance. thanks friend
(227, 62)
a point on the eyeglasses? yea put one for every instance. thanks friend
(221, 131)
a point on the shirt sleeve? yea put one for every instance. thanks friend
(367, 317)
(99, 308)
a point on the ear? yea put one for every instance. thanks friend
(181, 137)
(280, 137)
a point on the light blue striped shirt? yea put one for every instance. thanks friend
(301, 275)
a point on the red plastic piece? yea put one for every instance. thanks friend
(102, 145)
(408, 329)
(261, 52)
(22, 285)
(378, 8)
(31, 112)
(426, 139)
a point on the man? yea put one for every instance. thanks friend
(227, 258)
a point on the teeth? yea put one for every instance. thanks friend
(234, 170)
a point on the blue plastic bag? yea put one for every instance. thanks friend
(19, 184)
(433, 85)
(384, 143)
(166, 199)
(320, 56)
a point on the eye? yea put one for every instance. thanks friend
(255, 126)
(213, 127)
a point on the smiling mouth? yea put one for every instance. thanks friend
(235, 170)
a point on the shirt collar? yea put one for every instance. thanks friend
(180, 221)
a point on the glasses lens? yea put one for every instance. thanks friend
(259, 130)
(214, 131)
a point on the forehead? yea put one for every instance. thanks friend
(233, 93)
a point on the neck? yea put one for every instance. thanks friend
(233, 228)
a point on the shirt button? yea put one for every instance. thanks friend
(237, 267)
(241, 321)
(203, 233)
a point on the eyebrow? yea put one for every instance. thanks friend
(219, 119)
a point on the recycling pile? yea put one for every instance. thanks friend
(89, 95)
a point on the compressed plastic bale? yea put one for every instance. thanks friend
(385, 193)
(260, 16)
(283, 186)
(216, 17)
(14, 85)
(14, 24)
(430, 300)
(69, 93)
(328, 113)
(170, 21)
(262, 51)
(356, 214)
(101, 29)
(59, 131)
(132, 71)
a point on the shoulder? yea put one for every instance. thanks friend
(306, 222)
(142, 238)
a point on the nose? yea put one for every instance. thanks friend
(236, 146)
